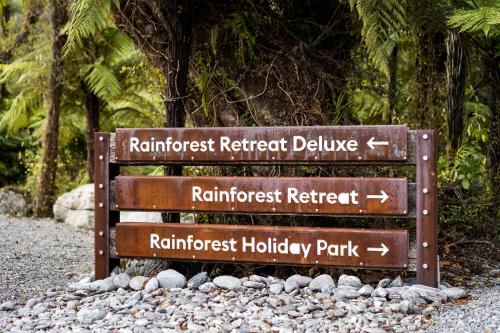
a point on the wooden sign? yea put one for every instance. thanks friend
(264, 244)
(331, 196)
(262, 144)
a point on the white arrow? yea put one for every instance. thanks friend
(383, 250)
(383, 197)
(371, 143)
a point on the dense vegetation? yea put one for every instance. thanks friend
(69, 68)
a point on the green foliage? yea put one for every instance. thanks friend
(481, 16)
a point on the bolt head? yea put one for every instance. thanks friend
(425, 158)
(425, 212)
(425, 190)
(425, 266)
(101, 233)
(425, 136)
(101, 157)
(101, 204)
(425, 244)
(101, 138)
(101, 252)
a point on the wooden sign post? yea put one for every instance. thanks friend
(335, 196)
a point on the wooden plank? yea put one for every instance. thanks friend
(293, 195)
(264, 244)
(427, 215)
(104, 218)
(313, 144)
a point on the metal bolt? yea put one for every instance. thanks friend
(116, 253)
(192, 157)
(101, 233)
(273, 157)
(360, 264)
(404, 212)
(154, 157)
(101, 138)
(425, 136)
(317, 261)
(425, 212)
(194, 256)
(425, 244)
(274, 209)
(359, 158)
(101, 204)
(317, 210)
(233, 258)
(116, 206)
(101, 252)
(101, 157)
(315, 157)
(274, 259)
(101, 186)
(154, 254)
(425, 157)
(232, 157)
(232, 208)
(425, 190)
(425, 266)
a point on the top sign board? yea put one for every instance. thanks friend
(262, 144)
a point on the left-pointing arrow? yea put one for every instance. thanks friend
(383, 249)
(382, 196)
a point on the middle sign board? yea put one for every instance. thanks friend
(286, 195)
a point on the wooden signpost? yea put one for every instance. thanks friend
(330, 196)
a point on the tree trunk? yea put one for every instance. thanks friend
(456, 64)
(392, 92)
(179, 14)
(92, 109)
(46, 184)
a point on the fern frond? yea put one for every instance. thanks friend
(18, 115)
(102, 82)
(485, 19)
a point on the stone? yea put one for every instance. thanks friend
(198, 280)
(318, 282)
(258, 278)
(397, 282)
(366, 290)
(291, 285)
(428, 310)
(405, 307)
(76, 207)
(121, 280)
(253, 285)
(138, 282)
(80, 286)
(346, 293)
(207, 287)
(227, 282)
(171, 279)
(380, 292)
(12, 203)
(328, 288)
(430, 294)
(383, 283)
(151, 285)
(303, 281)
(276, 288)
(105, 285)
(7, 306)
(350, 280)
(88, 316)
(454, 293)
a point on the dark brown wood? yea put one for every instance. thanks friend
(427, 216)
(103, 217)
(259, 244)
(271, 144)
(317, 196)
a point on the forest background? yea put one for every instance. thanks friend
(70, 68)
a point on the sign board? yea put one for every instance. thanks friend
(263, 144)
(264, 244)
(331, 196)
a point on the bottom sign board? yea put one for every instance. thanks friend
(372, 248)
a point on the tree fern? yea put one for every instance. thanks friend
(102, 81)
(383, 22)
(484, 18)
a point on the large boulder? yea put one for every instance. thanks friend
(12, 202)
(76, 207)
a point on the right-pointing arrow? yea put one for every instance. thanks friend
(383, 250)
(382, 196)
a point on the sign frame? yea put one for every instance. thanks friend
(421, 152)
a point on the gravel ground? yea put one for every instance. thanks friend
(39, 258)
(39, 254)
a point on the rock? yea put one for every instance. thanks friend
(227, 282)
(258, 278)
(454, 293)
(105, 285)
(88, 316)
(253, 285)
(366, 290)
(383, 283)
(207, 287)
(7, 306)
(346, 293)
(397, 282)
(380, 292)
(141, 217)
(430, 294)
(76, 207)
(151, 285)
(291, 285)
(350, 280)
(428, 310)
(328, 288)
(318, 282)
(303, 281)
(171, 279)
(121, 280)
(80, 286)
(138, 282)
(276, 288)
(405, 307)
(198, 280)
(12, 203)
